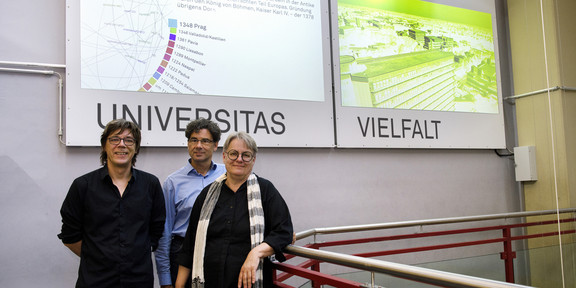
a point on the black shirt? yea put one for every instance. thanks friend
(118, 233)
(228, 235)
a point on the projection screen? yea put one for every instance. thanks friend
(263, 67)
(306, 73)
(417, 74)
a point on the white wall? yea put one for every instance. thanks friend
(323, 187)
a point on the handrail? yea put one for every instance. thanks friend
(451, 220)
(429, 276)
(425, 275)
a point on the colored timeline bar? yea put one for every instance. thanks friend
(173, 24)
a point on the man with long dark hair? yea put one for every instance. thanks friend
(113, 217)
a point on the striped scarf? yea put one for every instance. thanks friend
(256, 227)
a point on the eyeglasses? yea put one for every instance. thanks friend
(246, 156)
(203, 141)
(116, 141)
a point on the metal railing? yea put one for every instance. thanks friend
(418, 223)
(423, 275)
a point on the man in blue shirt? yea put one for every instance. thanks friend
(180, 191)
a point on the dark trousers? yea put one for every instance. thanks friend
(175, 248)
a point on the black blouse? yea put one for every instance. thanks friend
(228, 235)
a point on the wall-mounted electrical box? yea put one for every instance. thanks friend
(525, 163)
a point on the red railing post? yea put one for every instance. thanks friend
(316, 267)
(508, 255)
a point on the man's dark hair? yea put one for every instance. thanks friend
(196, 125)
(120, 124)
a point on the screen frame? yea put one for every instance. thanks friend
(364, 127)
(163, 116)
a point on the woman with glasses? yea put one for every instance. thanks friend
(236, 224)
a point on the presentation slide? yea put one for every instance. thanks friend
(263, 67)
(414, 54)
(417, 74)
(242, 48)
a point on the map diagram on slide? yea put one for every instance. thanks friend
(239, 48)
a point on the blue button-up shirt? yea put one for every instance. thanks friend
(180, 191)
